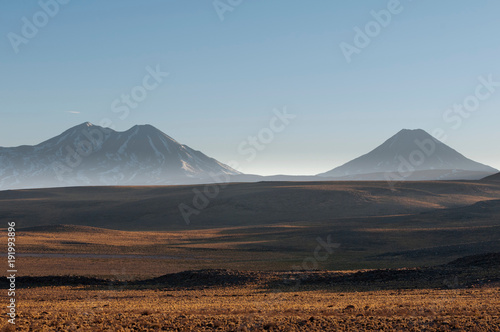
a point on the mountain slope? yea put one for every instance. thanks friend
(494, 177)
(92, 155)
(411, 154)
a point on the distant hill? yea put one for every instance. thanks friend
(263, 225)
(411, 155)
(92, 155)
(494, 177)
(237, 204)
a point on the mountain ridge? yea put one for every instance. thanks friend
(91, 155)
(87, 154)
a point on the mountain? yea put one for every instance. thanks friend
(411, 155)
(88, 155)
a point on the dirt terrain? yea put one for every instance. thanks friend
(249, 309)
(261, 256)
(236, 204)
(459, 296)
(412, 240)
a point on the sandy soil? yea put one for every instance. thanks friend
(253, 309)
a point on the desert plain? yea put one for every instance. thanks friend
(276, 256)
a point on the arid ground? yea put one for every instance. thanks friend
(259, 256)
(249, 309)
(460, 296)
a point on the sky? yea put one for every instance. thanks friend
(215, 74)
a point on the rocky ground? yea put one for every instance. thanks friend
(467, 272)
(460, 296)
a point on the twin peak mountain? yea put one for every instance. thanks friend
(89, 155)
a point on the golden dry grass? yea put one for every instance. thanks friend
(253, 309)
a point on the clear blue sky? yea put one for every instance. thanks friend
(226, 77)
